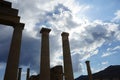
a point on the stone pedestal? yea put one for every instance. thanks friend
(13, 57)
(68, 71)
(89, 70)
(45, 61)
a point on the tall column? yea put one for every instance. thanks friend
(19, 73)
(89, 70)
(45, 61)
(13, 57)
(68, 71)
(28, 74)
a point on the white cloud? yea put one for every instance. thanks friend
(114, 48)
(110, 51)
(117, 15)
(64, 15)
(104, 63)
(107, 54)
(2, 65)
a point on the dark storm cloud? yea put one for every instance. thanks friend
(5, 40)
(99, 32)
(30, 51)
(30, 47)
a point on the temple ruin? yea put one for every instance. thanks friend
(9, 16)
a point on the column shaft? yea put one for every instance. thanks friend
(28, 74)
(13, 57)
(19, 73)
(68, 71)
(45, 60)
(89, 70)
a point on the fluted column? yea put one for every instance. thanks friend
(89, 70)
(19, 73)
(45, 60)
(13, 57)
(28, 74)
(68, 71)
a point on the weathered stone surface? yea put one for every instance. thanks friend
(6, 19)
(5, 4)
(19, 73)
(14, 53)
(28, 74)
(89, 70)
(9, 16)
(45, 60)
(8, 11)
(56, 73)
(68, 71)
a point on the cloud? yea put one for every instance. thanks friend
(6, 36)
(2, 66)
(116, 48)
(113, 49)
(109, 53)
(86, 37)
(117, 16)
(106, 54)
(104, 63)
(30, 51)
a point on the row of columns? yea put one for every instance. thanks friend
(19, 74)
(13, 58)
(59, 70)
(45, 61)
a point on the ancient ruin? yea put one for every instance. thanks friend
(68, 72)
(89, 70)
(19, 73)
(9, 16)
(45, 61)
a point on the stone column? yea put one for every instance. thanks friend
(45, 61)
(13, 57)
(28, 74)
(68, 71)
(89, 70)
(19, 73)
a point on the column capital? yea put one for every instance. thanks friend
(87, 61)
(46, 30)
(20, 68)
(19, 25)
(65, 34)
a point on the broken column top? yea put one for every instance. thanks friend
(65, 34)
(45, 30)
(87, 61)
(20, 68)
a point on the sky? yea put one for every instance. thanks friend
(93, 27)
